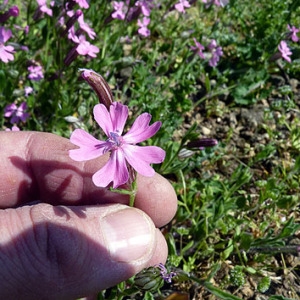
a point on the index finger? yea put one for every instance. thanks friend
(36, 166)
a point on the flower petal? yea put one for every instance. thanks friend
(118, 113)
(102, 117)
(114, 170)
(112, 121)
(140, 130)
(89, 146)
(10, 109)
(140, 158)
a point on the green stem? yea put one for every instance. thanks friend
(131, 192)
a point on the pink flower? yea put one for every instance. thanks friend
(44, 8)
(72, 36)
(16, 113)
(285, 51)
(82, 3)
(5, 51)
(35, 73)
(83, 48)
(14, 128)
(85, 27)
(86, 48)
(120, 10)
(143, 30)
(181, 5)
(144, 6)
(123, 149)
(293, 33)
(28, 90)
(26, 29)
(216, 53)
(212, 45)
(198, 48)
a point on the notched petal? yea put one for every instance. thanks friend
(119, 114)
(140, 158)
(140, 130)
(89, 147)
(115, 170)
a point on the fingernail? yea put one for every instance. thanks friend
(129, 235)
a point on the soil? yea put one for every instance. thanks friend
(245, 130)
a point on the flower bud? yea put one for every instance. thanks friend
(12, 12)
(99, 85)
(149, 279)
(71, 56)
(202, 143)
(72, 21)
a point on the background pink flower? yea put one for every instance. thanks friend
(285, 51)
(143, 30)
(5, 51)
(293, 33)
(198, 48)
(82, 3)
(35, 73)
(86, 48)
(44, 8)
(180, 6)
(120, 10)
(16, 113)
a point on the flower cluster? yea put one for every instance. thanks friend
(122, 148)
(214, 51)
(77, 31)
(6, 51)
(75, 27)
(283, 47)
(123, 11)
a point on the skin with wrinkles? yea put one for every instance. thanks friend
(54, 221)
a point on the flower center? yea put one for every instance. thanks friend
(115, 139)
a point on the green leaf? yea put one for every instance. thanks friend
(219, 293)
(187, 247)
(3, 80)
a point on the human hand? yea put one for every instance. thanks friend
(61, 236)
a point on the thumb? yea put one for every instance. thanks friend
(61, 252)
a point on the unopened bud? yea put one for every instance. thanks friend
(71, 56)
(72, 21)
(202, 143)
(99, 85)
(149, 279)
(12, 12)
